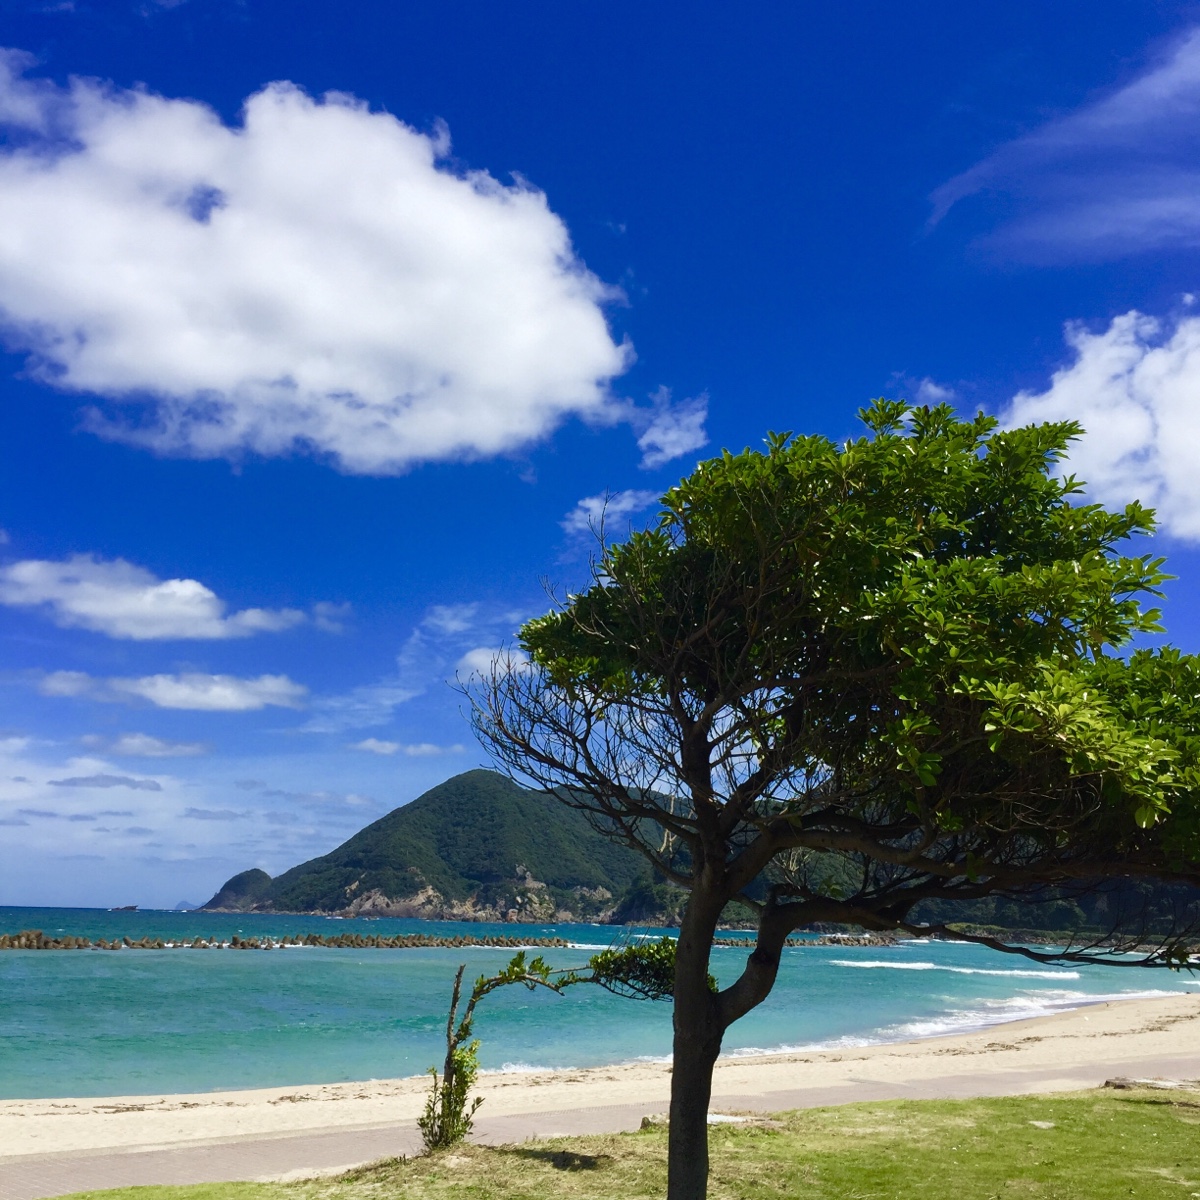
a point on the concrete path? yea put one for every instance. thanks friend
(37, 1176)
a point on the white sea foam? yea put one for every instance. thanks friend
(1017, 973)
(1015, 1008)
(957, 1021)
(849, 1042)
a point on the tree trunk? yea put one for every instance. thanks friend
(698, 1033)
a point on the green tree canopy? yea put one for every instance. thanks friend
(872, 674)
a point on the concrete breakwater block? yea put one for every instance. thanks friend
(35, 939)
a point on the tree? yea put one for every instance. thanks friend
(835, 681)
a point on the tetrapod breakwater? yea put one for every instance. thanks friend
(35, 939)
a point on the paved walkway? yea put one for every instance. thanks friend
(37, 1176)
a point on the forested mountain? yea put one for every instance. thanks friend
(477, 846)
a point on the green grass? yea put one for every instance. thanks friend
(1099, 1145)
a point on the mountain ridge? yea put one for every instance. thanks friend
(476, 847)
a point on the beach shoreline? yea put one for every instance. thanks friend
(1075, 1048)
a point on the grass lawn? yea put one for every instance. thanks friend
(1097, 1145)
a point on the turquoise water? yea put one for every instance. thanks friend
(89, 1023)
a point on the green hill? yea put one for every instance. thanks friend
(477, 846)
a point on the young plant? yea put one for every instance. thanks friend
(449, 1109)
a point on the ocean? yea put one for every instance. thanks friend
(129, 1022)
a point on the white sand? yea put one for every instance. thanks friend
(1072, 1049)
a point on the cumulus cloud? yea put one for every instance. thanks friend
(1116, 176)
(192, 690)
(592, 513)
(108, 781)
(213, 693)
(376, 746)
(319, 277)
(1135, 388)
(122, 600)
(672, 430)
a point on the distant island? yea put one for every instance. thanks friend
(475, 848)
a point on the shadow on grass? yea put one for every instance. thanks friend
(562, 1160)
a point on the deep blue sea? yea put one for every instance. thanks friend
(100, 1023)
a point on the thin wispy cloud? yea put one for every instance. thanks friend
(593, 513)
(430, 656)
(411, 749)
(1119, 175)
(144, 745)
(362, 707)
(108, 781)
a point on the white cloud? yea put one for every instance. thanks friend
(593, 513)
(193, 690)
(426, 660)
(375, 746)
(360, 708)
(429, 750)
(143, 745)
(673, 429)
(1116, 176)
(929, 391)
(481, 660)
(450, 618)
(413, 750)
(1135, 388)
(331, 617)
(213, 693)
(320, 277)
(66, 683)
(126, 601)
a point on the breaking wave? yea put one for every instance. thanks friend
(1015, 973)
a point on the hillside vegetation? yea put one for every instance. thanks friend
(479, 847)
(475, 847)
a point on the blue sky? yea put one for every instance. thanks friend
(327, 327)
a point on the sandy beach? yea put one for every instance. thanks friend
(1074, 1049)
